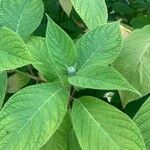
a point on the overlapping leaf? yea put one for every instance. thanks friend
(3, 87)
(134, 63)
(142, 120)
(13, 51)
(100, 126)
(32, 116)
(59, 141)
(100, 77)
(60, 46)
(66, 5)
(101, 45)
(93, 12)
(22, 16)
(38, 49)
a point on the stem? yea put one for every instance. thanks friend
(72, 92)
(28, 75)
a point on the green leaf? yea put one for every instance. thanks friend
(59, 140)
(134, 63)
(3, 87)
(22, 16)
(16, 82)
(101, 126)
(93, 12)
(32, 116)
(101, 45)
(142, 120)
(73, 143)
(60, 46)
(66, 5)
(38, 49)
(13, 51)
(100, 77)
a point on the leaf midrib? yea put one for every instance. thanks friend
(97, 123)
(21, 15)
(34, 115)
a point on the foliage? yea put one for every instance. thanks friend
(70, 70)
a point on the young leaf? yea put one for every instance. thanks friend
(100, 77)
(60, 46)
(38, 49)
(142, 120)
(66, 5)
(59, 140)
(101, 126)
(3, 87)
(134, 63)
(16, 82)
(101, 45)
(32, 116)
(22, 16)
(13, 51)
(93, 12)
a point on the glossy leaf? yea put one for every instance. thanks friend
(13, 51)
(60, 46)
(3, 87)
(134, 63)
(101, 126)
(100, 77)
(93, 12)
(22, 16)
(101, 45)
(142, 120)
(32, 116)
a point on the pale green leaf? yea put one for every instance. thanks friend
(22, 16)
(61, 48)
(134, 63)
(66, 5)
(100, 77)
(32, 116)
(101, 45)
(59, 141)
(93, 12)
(16, 82)
(142, 120)
(38, 49)
(3, 87)
(13, 51)
(101, 126)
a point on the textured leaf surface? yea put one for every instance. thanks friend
(59, 141)
(13, 51)
(73, 143)
(101, 126)
(3, 87)
(66, 5)
(142, 120)
(61, 47)
(32, 116)
(38, 49)
(22, 16)
(134, 63)
(101, 45)
(100, 77)
(16, 82)
(93, 12)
